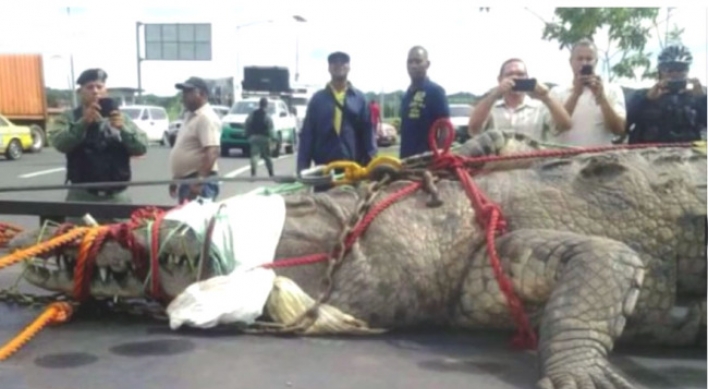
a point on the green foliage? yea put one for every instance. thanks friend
(628, 29)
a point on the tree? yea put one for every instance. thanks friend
(628, 31)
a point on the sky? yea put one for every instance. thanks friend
(466, 47)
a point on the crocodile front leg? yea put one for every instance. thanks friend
(583, 288)
(597, 290)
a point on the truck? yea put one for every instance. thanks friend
(23, 98)
(272, 83)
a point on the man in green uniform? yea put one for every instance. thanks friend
(97, 148)
(259, 130)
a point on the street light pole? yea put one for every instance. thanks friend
(298, 19)
(71, 62)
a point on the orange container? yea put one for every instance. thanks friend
(22, 93)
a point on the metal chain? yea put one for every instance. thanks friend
(336, 258)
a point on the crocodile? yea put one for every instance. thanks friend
(600, 248)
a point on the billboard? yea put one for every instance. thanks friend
(178, 42)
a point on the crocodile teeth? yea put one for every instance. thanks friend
(103, 273)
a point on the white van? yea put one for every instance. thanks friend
(149, 118)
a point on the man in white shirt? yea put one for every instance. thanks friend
(198, 143)
(597, 109)
(507, 109)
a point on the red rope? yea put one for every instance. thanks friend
(123, 234)
(358, 230)
(489, 216)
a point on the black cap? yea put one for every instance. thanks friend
(338, 56)
(194, 83)
(91, 75)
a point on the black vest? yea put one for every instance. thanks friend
(672, 118)
(98, 158)
(258, 123)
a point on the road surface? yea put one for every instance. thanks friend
(118, 352)
(47, 168)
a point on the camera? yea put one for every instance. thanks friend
(524, 85)
(676, 86)
(586, 70)
(108, 105)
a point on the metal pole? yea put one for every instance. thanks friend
(139, 59)
(297, 56)
(71, 64)
(239, 81)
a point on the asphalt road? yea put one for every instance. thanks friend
(47, 168)
(110, 351)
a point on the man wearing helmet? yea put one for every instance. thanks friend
(674, 109)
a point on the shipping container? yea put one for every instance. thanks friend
(23, 97)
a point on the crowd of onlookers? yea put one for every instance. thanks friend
(591, 112)
(340, 124)
(588, 112)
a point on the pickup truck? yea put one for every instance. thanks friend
(233, 131)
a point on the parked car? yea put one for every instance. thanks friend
(170, 136)
(460, 117)
(386, 135)
(14, 140)
(149, 118)
(233, 131)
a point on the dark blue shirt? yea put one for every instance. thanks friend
(420, 108)
(320, 143)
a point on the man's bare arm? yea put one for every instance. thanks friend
(561, 117)
(211, 154)
(209, 134)
(480, 113)
(613, 121)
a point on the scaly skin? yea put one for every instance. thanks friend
(595, 243)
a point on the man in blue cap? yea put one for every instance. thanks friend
(337, 124)
(98, 148)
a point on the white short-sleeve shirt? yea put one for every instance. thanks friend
(531, 118)
(588, 127)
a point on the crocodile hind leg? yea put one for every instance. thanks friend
(589, 285)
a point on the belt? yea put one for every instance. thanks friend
(195, 175)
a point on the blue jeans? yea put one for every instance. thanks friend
(210, 190)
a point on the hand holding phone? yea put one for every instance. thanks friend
(524, 85)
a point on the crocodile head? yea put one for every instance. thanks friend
(116, 273)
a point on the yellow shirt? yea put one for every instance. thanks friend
(338, 112)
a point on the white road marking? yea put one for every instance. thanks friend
(43, 172)
(247, 168)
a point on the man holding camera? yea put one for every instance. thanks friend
(514, 112)
(596, 108)
(669, 111)
(98, 141)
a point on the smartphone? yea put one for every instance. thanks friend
(676, 86)
(108, 105)
(586, 70)
(524, 85)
